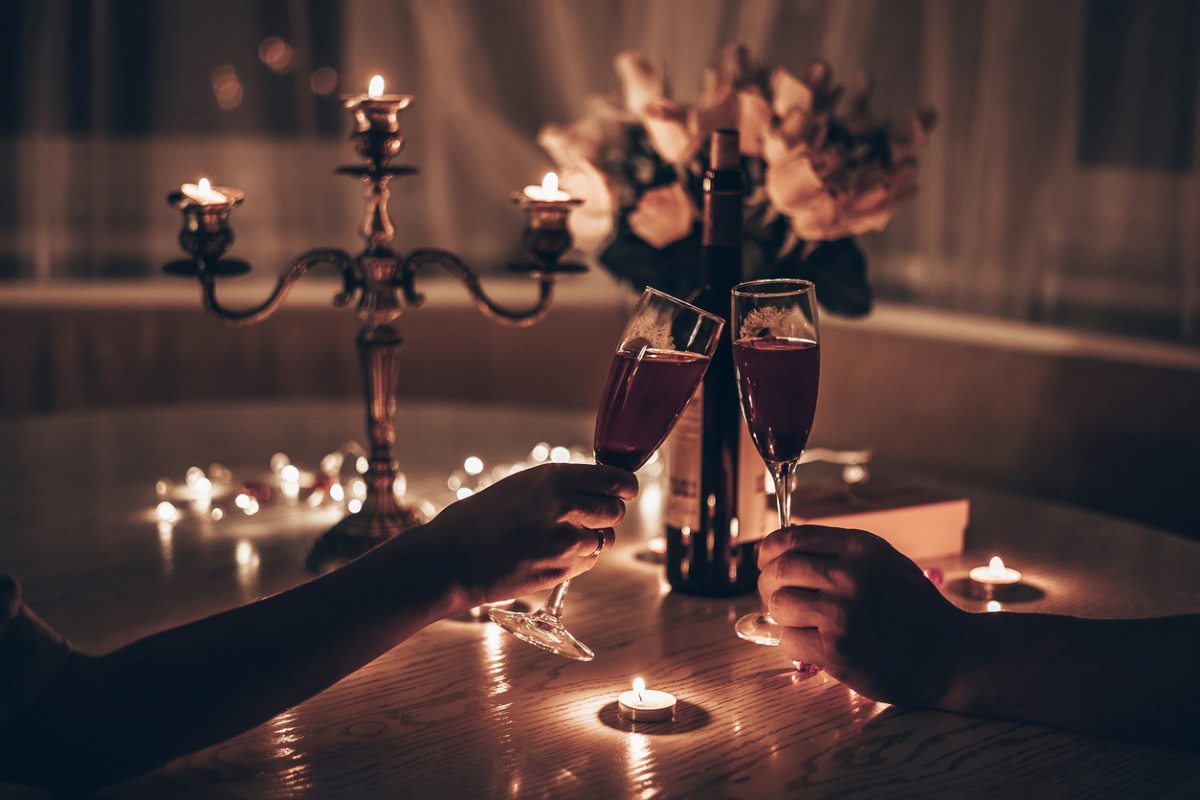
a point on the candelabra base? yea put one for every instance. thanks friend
(357, 533)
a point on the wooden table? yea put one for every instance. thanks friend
(462, 710)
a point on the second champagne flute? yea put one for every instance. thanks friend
(776, 350)
(658, 364)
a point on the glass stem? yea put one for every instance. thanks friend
(554, 603)
(781, 475)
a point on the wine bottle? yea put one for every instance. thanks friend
(715, 509)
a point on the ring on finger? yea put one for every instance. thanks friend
(604, 539)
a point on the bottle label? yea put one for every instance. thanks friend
(755, 518)
(684, 450)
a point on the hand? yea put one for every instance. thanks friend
(848, 601)
(529, 531)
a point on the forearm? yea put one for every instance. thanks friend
(200, 683)
(1127, 678)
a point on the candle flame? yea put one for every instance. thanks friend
(375, 87)
(550, 182)
(639, 685)
(996, 564)
(205, 186)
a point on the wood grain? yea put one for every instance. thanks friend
(463, 710)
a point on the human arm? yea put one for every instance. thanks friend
(106, 718)
(851, 603)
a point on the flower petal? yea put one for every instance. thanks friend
(754, 120)
(641, 82)
(592, 223)
(663, 215)
(669, 136)
(789, 93)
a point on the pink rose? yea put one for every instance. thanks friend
(678, 132)
(818, 212)
(668, 132)
(663, 215)
(825, 190)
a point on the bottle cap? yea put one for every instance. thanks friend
(725, 153)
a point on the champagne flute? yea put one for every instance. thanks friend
(776, 351)
(659, 362)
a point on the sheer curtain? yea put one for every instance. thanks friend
(1012, 219)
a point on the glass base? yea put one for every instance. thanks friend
(542, 630)
(758, 628)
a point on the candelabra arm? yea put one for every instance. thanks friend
(293, 273)
(455, 266)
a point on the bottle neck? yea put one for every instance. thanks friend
(722, 234)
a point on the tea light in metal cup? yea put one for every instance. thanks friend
(646, 705)
(986, 580)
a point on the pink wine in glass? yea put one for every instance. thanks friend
(778, 379)
(644, 394)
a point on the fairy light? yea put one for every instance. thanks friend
(166, 512)
(278, 462)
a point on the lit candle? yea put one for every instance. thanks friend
(203, 193)
(994, 574)
(646, 705)
(548, 192)
(375, 95)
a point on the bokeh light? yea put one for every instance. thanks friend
(323, 80)
(227, 87)
(277, 54)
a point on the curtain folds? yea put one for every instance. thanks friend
(1011, 220)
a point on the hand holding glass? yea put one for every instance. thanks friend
(776, 350)
(659, 362)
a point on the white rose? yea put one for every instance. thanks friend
(641, 82)
(591, 223)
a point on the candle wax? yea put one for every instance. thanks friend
(995, 574)
(649, 705)
(203, 193)
(540, 195)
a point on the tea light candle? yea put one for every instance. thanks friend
(548, 192)
(995, 574)
(646, 705)
(203, 194)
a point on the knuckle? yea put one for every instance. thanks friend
(856, 543)
(790, 537)
(773, 572)
(838, 577)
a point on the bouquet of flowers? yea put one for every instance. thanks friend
(820, 170)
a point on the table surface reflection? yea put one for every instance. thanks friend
(462, 710)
